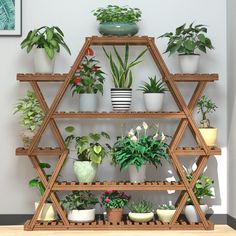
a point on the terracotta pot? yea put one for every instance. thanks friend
(114, 215)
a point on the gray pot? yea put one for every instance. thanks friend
(191, 213)
(87, 102)
(118, 29)
(121, 99)
(137, 176)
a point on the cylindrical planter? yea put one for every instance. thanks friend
(118, 29)
(87, 102)
(153, 101)
(27, 137)
(42, 63)
(137, 176)
(114, 215)
(165, 215)
(121, 99)
(209, 135)
(189, 63)
(85, 171)
(81, 215)
(47, 213)
(141, 217)
(191, 213)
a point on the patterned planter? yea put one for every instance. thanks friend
(121, 99)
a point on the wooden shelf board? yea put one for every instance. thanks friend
(194, 77)
(196, 151)
(41, 77)
(45, 151)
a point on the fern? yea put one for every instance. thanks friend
(7, 15)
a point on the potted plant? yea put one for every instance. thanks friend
(80, 206)
(90, 153)
(114, 203)
(185, 41)
(141, 211)
(47, 213)
(205, 106)
(165, 212)
(121, 95)
(31, 116)
(203, 188)
(46, 41)
(137, 149)
(87, 82)
(153, 94)
(116, 20)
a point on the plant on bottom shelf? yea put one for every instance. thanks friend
(165, 212)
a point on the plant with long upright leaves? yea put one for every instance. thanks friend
(153, 86)
(121, 68)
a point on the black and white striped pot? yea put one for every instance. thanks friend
(121, 99)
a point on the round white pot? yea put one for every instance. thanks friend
(153, 101)
(27, 137)
(47, 213)
(191, 213)
(121, 99)
(87, 102)
(81, 215)
(42, 63)
(209, 135)
(165, 215)
(189, 63)
(137, 176)
(141, 217)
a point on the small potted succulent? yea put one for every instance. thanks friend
(90, 153)
(87, 82)
(153, 94)
(116, 20)
(202, 188)
(80, 206)
(114, 202)
(48, 212)
(46, 41)
(186, 40)
(206, 106)
(139, 148)
(121, 95)
(31, 116)
(165, 212)
(141, 211)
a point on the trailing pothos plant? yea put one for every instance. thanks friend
(153, 86)
(139, 148)
(88, 148)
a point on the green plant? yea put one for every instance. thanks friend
(79, 200)
(166, 207)
(139, 148)
(30, 111)
(36, 182)
(205, 106)
(153, 86)
(141, 207)
(89, 76)
(186, 40)
(121, 68)
(88, 147)
(114, 199)
(117, 14)
(49, 38)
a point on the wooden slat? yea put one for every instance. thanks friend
(196, 151)
(194, 77)
(47, 151)
(41, 77)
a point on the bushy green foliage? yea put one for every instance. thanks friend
(153, 86)
(141, 207)
(166, 207)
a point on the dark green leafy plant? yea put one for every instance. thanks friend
(166, 207)
(114, 199)
(117, 14)
(154, 86)
(121, 68)
(79, 200)
(205, 106)
(139, 148)
(141, 207)
(88, 147)
(186, 40)
(30, 111)
(49, 38)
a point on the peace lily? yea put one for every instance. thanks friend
(163, 137)
(131, 133)
(134, 139)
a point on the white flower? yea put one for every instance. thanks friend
(131, 133)
(145, 126)
(157, 127)
(155, 136)
(139, 128)
(134, 139)
(163, 137)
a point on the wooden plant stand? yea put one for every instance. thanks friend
(186, 120)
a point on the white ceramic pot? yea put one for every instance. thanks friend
(27, 137)
(88, 102)
(191, 213)
(81, 215)
(47, 213)
(209, 135)
(141, 217)
(153, 101)
(189, 63)
(42, 63)
(121, 99)
(165, 215)
(137, 176)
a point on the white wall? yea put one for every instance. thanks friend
(75, 19)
